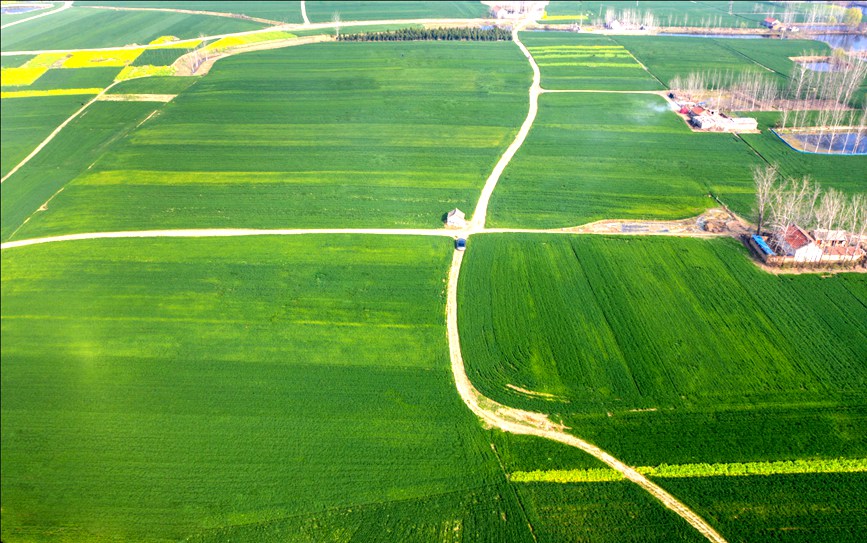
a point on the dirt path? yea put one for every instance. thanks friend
(304, 12)
(66, 5)
(56, 131)
(481, 211)
(226, 232)
(538, 424)
(182, 65)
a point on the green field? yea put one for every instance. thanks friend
(323, 12)
(827, 508)
(77, 28)
(581, 61)
(601, 513)
(605, 156)
(159, 57)
(314, 136)
(14, 61)
(649, 345)
(282, 11)
(155, 85)
(73, 78)
(27, 121)
(81, 144)
(238, 388)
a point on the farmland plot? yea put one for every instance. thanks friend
(598, 156)
(282, 11)
(78, 28)
(647, 346)
(668, 56)
(27, 121)
(316, 136)
(243, 388)
(578, 61)
(811, 508)
(323, 12)
(77, 147)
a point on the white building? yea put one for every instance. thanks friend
(456, 218)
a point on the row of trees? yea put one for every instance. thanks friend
(832, 91)
(435, 34)
(782, 202)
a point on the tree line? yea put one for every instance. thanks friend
(433, 34)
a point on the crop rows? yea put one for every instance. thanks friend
(261, 382)
(580, 164)
(578, 61)
(299, 137)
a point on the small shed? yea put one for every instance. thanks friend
(456, 218)
(770, 22)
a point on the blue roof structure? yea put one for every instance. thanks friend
(763, 246)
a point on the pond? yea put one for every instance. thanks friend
(13, 9)
(847, 42)
(846, 143)
(819, 66)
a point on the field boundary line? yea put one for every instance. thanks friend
(66, 5)
(304, 12)
(599, 91)
(529, 423)
(645, 68)
(481, 211)
(193, 12)
(56, 131)
(227, 232)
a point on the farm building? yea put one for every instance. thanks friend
(796, 243)
(770, 22)
(830, 238)
(709, 119)
(614, 25)
(456, 218)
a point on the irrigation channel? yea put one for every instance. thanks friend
(503, 417)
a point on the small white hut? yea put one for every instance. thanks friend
(456, 218)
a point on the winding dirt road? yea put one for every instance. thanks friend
(304, 12)
(538, 424)
(481, 211)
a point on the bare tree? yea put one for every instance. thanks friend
(336, 20)
(765, 179)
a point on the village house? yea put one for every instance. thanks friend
(829, 238)
(771, 23)
(456, 218)
(799, 245)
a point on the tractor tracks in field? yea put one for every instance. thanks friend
(517, 421)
